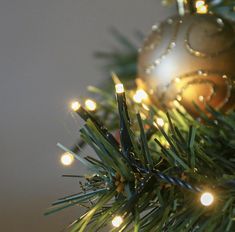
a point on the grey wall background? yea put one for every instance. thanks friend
(46, 59)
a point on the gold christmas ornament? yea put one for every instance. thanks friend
(190, 58)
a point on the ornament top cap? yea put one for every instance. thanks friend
(186, 7)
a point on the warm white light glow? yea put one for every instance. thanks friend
(119, 88)
(75, 105)
(201, 7)
(140, 95)
(207, 199)
(202, 10)
(67, 159)
(199, 3)
(117, 221)
(90, 105)
(177, 79)
(160, 122)
(142, 115)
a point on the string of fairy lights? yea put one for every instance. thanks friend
(140, 96)
(206, 198)
(67, 158)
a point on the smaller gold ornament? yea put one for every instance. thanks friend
(190, 58)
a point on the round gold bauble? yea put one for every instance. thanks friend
(190, 59)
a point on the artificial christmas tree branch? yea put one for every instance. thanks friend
(191, 159)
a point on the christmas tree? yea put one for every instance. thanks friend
(165, 144)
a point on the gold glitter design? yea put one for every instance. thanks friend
(221, 28)
(204, 78)
(149, 69)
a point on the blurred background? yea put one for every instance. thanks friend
(46, 59)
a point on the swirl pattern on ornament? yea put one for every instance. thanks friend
(209, 83)
(155, 39)
(209, 38)
(206, 79)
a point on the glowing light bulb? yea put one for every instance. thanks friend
(119, 88)
(67, 159)
(199, 3)
(140, 95)
(203, 10)
(75, 105)
(201, 7)
(160, 121)
(207, 199)
(90, 105)
(117, 221)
